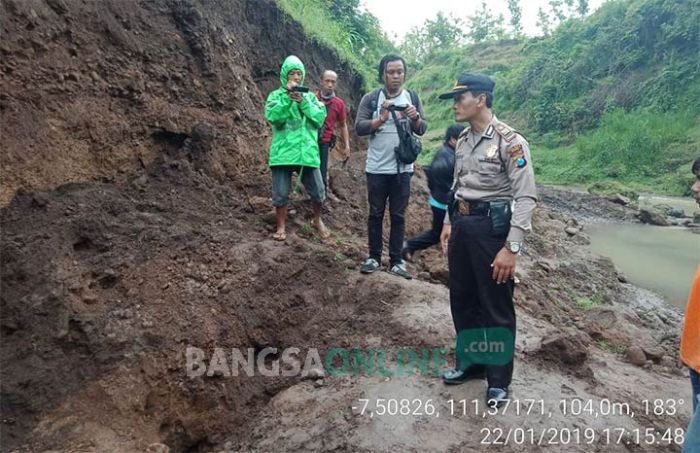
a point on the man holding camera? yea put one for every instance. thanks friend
(483, 235)
(296, 116)
(387, 177)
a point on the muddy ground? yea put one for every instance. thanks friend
(105, 286)
(137, 224)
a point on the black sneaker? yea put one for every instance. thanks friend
(455, 377)
(496, 396)
(369, 266)
(399, 269)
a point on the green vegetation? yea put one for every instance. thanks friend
(588, 303)
(611, 97)
(608, 188)
(640, 149)
(613, 348)
(341, 25)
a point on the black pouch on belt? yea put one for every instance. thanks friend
(451, 203)
(500, 217)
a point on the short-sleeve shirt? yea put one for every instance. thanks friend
(496, 165)
(381, 157)
(336, 111)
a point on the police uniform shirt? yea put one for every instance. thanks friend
(496, 165)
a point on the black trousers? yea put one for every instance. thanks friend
(397, 189)
(324, 149)
(476, 300)
(431, 237)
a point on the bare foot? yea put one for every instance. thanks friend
(322, 230)
(280, 235)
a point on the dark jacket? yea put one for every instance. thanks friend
(440, 173)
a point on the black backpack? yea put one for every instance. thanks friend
(409, 146)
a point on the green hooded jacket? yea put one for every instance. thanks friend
(294, 125)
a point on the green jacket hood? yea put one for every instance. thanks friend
(290, 63)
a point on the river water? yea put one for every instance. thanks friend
(663, 259)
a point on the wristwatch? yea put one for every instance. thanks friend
(513, 247)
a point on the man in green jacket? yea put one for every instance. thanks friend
(296, 116)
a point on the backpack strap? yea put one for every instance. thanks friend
(374, 99)
(414, 98)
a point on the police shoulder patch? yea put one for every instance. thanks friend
(516, 149)
(505, 131)
(517, 155)
(520, 162)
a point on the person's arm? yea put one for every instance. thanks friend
(312, 108)
(345, 135)
(278, 107)
(343, 120)
(522, 179)
(417, 116)
(364, 123)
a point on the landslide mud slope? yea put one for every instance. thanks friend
(95, 90)
(142, 228)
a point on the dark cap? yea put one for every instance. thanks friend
(470, 82)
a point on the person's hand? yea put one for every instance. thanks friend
(384, 114)
(445, 238)
(504, 266)
(344, 151)
(386, 104)
(412, 113)
(293, 95)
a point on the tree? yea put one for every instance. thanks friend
(582, 7)
(557, 10)
(543, 21)
(484, 26)
(516, 14)
(440, 33)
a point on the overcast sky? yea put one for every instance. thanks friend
(397, 17)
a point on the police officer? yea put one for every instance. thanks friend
(494, 197)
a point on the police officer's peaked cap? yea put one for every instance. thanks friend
(470, 82)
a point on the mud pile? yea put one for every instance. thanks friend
(96, 90)
(137, 224)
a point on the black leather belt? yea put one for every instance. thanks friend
(480, 208)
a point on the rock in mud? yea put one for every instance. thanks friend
(652, 218)
(568, 347)
(635, 356)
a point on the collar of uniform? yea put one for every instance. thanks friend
(490, 130)
(465, 132)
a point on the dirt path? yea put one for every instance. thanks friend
(327, 415)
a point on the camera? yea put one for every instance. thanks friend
(300, 89)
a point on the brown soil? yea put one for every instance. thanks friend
(133, 131)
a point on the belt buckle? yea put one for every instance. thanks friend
(463, 207)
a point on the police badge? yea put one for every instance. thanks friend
(491, 152)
